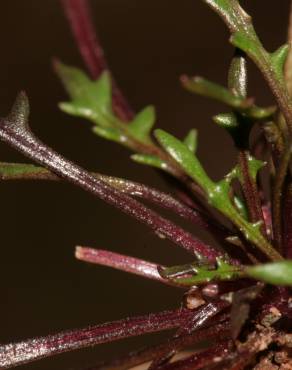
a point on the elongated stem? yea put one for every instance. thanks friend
(15, 354)
(14, 130)
(20, 171)
(217, 332)
(287, 222)
(277, 196)
(79, 17)
(192, 324)
(237, 84)
(251, 193)
(120, 262)
(201, 360)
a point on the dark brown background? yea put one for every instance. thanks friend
(148, 44)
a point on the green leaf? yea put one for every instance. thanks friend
(216, 193)
(241, 207)
(184, 157)
(212, 90)
(90, 99)
(191, 140)
(277, 273)
(247, 43)
(11, 170)
(227, 121)
(142, 124)
(237, 74)
(110, 133)
(150, 160)
(278, 59)
(254, 165)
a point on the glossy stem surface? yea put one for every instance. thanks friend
(120, 262)
(217, 332)
(14, 130)
(15, 354)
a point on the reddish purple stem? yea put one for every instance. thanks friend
(15, 354)
(287, 222)
(217, 332)
(120, 262)
(200, 360)
(168, 202)
(80, 20)
(14, 130)
(198, 320)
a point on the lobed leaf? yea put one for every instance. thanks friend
(191, 140)
(142, 124)
(90, 99)
(184, 157)
(278, 59)
(150, 160)
(212, 90)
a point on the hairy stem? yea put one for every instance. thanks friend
(120, 262)
(287, 222)
(192, 324)
(217, 332)
(14, 130)
(21, 171)
(277, 197)
(251, 193)
(201, 360)
(15, 354)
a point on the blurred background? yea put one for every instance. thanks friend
(148, 44)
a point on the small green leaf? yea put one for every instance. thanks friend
(90, 99)
(237, 74)
(142, 124)
(277, 273)
(212, 90)
(103, 91)
(247, 43)
(73, 79)
(254, 165)
(278, 59)
(241, 207)
(110, 133)
(226, 120)
(11, 170)
(150, 160)
(216, 193)
(191, 140)
(184, 157)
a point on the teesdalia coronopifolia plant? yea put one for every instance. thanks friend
(236, 308)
